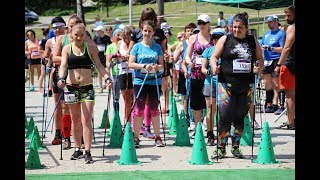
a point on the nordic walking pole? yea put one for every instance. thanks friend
(259, 93)
(164, 133)
(217, 116)
(57, 104)
(254, 110)
(105, 127)
(43, 103)
(134, 103)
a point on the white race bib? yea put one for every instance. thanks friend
(35, 53)
(177, 66)
(199, 60)
(101, 47)
(267, 63)
(69, 97)
(241, 66)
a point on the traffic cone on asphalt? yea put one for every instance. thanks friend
(116, 137)
(174, 119)
(246, 137)
(35, 142)
(30, 128)
(182, 138)
(128, 153)
(266, 153)
(105, 120)
(33, 161)
(199, 149)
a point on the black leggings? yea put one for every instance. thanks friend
(234, 103)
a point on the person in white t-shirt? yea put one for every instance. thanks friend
(221, 21)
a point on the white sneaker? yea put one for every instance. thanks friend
(192, 126)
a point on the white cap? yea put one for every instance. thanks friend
(165, 26)
(204, 18)
(99, 28)
(117, 19)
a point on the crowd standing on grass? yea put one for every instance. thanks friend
(207, 67)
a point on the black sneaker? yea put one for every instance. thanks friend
(50, 93)
(87, 158)
(291, 127)
(237, 152)
(136, 142)
(283, 125)
(76, 155)
(210, 141)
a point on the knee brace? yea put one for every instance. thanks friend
(66, 125)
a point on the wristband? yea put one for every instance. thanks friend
(144, 66)
(63, 80)
(278, 65)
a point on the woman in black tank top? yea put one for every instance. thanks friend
(238, 52)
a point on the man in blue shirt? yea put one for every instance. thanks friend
(271, 44)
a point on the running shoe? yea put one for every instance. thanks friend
(210, 141)
(76, 155)
(158, 142)
(192, 126)
(148, 134)
(279, 111)
(31, 88)
(220, 153)
(50, 93)
(87, 158)
(66, 144)
(56, 141)
(136, 142)
(100, 90)
(291, 127)
(285, 124)
(237, 152)
(269, 109)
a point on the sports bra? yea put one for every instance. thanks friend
(82, 61)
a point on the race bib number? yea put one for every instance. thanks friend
(144, 71)
(124, 65)
(177, 66)
(101, 47)
(267, 63)
(241, 66)
(35, 53)
(199, 60)
(69, 97)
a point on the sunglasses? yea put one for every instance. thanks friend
(202, 23)
(108, 29)
(58, 27)
(179, 37)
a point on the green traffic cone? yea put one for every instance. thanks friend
(116, 137)
(182, 138)
(128, 153)
(266, 153)
(105, 120)
(199, 149)
(33, 161)
(246, 137)
(26, 124)
(30, 128)
(35, 142)
(174, 119)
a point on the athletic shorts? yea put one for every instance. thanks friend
(35, 61)
(206, 90)
(124, 81)
(270, 69)
(55, 77)
(287, 80)
(78, 93)
(197, 99)
(102, 58)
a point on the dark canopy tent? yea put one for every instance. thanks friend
(252, 4)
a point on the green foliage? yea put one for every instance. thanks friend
(59, 12)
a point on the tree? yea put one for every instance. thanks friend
(80, 10)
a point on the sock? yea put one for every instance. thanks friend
(282, 97)
(77, 149)
(269, 96)
(87, 151)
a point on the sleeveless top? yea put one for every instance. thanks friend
(290, 61)
(237, 49)
(197, 51)
(82, 61)
(53, 41)
(34, 48)
(124, 65)
(65, 40)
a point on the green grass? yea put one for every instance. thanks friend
(178, 14)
